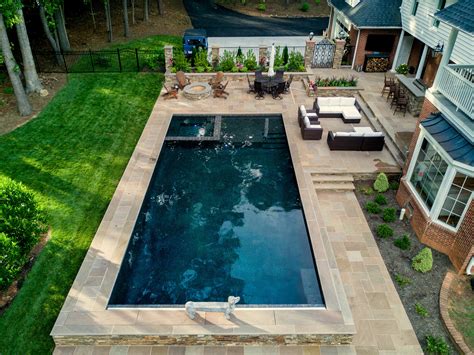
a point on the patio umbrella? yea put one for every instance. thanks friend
(271, 72)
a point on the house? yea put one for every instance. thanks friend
(371, 29)
(438, 179)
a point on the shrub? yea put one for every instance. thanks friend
(261, 7)
(278, 62)
(402, 69)
(295, 62)
(250, 60)
(227, 61)
(317, 2)
(403, 242)
(381, 183)
(201, 60)
(373, 208)
(8, 90)
(21, 219)
(10, 260)
(154, 61)
(336, 81)
(402, 281)
(367, 190)
(389, 215)
(421, 310)
(394, 185)
(436, 345)
(380, 199)
(304, 7)
(180, 62)
(384, 231)
(285, 55)
(423, 261)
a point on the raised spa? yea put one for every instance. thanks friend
(222, 216)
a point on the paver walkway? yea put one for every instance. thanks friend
(381, 322)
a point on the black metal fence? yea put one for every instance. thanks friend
(102, 61)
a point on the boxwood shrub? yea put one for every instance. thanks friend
(423, 261)
(373, 208)
(384, 231)
(403, 242)
(389, 214)
(381, 183)
(380, 199)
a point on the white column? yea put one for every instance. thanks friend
(397, 52)
(422, 62)
(447, 51)
(355, 49)
(333, 23)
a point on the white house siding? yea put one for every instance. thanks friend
(421, 27)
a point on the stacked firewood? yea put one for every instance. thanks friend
(377, 64)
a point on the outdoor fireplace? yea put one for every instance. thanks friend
(376, 63)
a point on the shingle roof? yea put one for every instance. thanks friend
(453, 142)
(458, 15)
(371, 13)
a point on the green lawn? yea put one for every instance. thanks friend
(72, 156)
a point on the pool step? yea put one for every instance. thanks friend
(333, 181)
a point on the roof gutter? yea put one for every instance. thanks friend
(379, 27)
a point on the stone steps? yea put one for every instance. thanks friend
(341, 182)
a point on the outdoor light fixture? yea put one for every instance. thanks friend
(311, 35)
(439, 48)
(342, 34)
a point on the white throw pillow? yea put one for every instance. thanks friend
(323, 101)
(333, 101)
(303, 110)
(347, 101)
(306, 121)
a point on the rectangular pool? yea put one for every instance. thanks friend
(222, 216)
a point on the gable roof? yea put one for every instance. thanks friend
(371, 13)
(453, 142)
(459, 15)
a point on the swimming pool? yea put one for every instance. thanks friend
(222, 216)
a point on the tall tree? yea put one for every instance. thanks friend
(33, 84)
(126, 28)
(51, 36)
(132, 4)
(24, 107)
(53, 17)
(108, 18)
(60, 23)
(159, 4)
(146, 10)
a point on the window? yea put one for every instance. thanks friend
(441, 5)
(415, 7)
(428, 173)
(457, 199)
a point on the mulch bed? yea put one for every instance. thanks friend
(423, 288)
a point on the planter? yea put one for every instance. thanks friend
(329, 90)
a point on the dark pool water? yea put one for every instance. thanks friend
(221, 217)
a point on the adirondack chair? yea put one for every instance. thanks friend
(220, 92)
(182, 80)
(170, 93)
(215, 82)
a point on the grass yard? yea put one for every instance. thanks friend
(72, 156)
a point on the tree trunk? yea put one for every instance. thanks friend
(52, 41)
(132, 3)
(61, 28)
(23, 104)
(108, 18)
(93, 16)
(126, 29)
(159, 3)
(33, 84)
(146, 14)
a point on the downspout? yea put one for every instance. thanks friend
(356, 49)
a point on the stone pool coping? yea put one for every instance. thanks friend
(85, 319)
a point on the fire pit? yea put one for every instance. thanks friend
(197, 91)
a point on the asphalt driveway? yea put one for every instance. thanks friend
(221, 22)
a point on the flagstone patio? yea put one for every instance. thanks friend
(359, 287)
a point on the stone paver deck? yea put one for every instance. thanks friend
(347, 256)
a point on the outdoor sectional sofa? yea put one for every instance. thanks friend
(346, 108)
(355, 141)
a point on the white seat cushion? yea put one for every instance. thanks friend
(373, 134)
(334, 101)
(311, 114)
(347, 101)
(303, 110)
(306, 121)
(314, 126)
(351, 113)
(342, 134)
(330, 109)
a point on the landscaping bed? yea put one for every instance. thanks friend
(418, 291)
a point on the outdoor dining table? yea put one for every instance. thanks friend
(269, 83)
